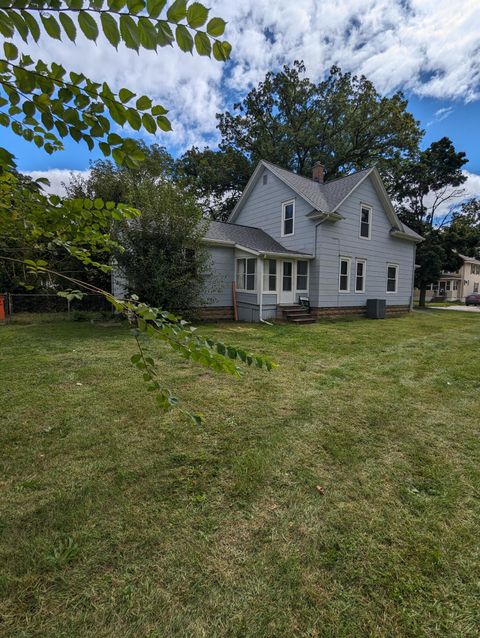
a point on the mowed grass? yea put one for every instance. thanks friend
(116, 521)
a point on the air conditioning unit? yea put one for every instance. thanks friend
(376, 308)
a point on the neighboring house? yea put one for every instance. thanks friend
(455, 286)
(337, 243)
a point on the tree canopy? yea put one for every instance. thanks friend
(287, 119)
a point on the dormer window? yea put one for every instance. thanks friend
(366, 222)
(288, 218)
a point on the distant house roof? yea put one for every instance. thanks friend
(248, 237)
(327, 197)
(470, 260)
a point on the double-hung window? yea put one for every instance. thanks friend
(344, 275)
(270, 275)
(366, 222)
(288, 218)
(246, 274)
(392, 277)
(360, 273)
(302, 276)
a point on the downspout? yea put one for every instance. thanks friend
(315, 248)
(413, 277)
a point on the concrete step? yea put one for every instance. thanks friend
(302, 320)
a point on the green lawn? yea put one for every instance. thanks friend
(117, 522)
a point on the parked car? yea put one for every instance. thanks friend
(473, 299)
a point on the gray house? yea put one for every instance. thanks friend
(289, 238)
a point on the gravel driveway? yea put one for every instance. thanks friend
(461, 308)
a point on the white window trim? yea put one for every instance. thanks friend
(367, 206)
(349, 273)
(308, 276)
(237, 259)
(392, 292)
(284, 205)
(364, 278)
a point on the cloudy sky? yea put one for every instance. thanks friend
(428, 48)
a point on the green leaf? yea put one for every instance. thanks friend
(88, 25)
(74, 4)
(184, 39)
(197, 15)
(155, 7)
(143, 103)
(32, 25)
(110, 28)
(202, 43)
(118, 113)
(125, 95)
(177, 11)
(134, 119)
(148, 33)
(20, 25)
(51, 26)
(135, 6)
(216, 27)
(11, 51)
(164, 123)
(164, 33)
(114, 140)
(129, 32)
(29, 108)
(221, 51)
(149, 123)
(68, 26)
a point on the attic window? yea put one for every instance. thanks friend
(265, 178)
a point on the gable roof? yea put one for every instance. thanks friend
(249, 237)
(327, 197)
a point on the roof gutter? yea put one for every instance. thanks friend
(401, 235)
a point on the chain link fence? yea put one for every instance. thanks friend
(90, 304)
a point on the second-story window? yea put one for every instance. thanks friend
(288, 218)
(365, 222)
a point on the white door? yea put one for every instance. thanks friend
(287, 283)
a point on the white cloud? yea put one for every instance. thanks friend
(57, 177)
(429, 47)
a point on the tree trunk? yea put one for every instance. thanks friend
(423, 294)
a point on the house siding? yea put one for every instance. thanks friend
(220, 274)
(342, 239)
(263, 209)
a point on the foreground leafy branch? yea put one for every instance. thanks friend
(44, 103)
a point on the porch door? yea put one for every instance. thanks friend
(287, 284)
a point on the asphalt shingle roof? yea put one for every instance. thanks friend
(246, 236)
(323, 197)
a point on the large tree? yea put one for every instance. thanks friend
(215, 178)
(425, 184)
(291, 121)
(341, 121)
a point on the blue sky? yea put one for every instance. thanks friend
(427, 48)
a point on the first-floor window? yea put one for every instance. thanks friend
(246, 270)
(360, 267)
(270, 275)
(455, 285)
(392, 277)
(344, 276)
(449, 284)
(475, 287)
(302, 275)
